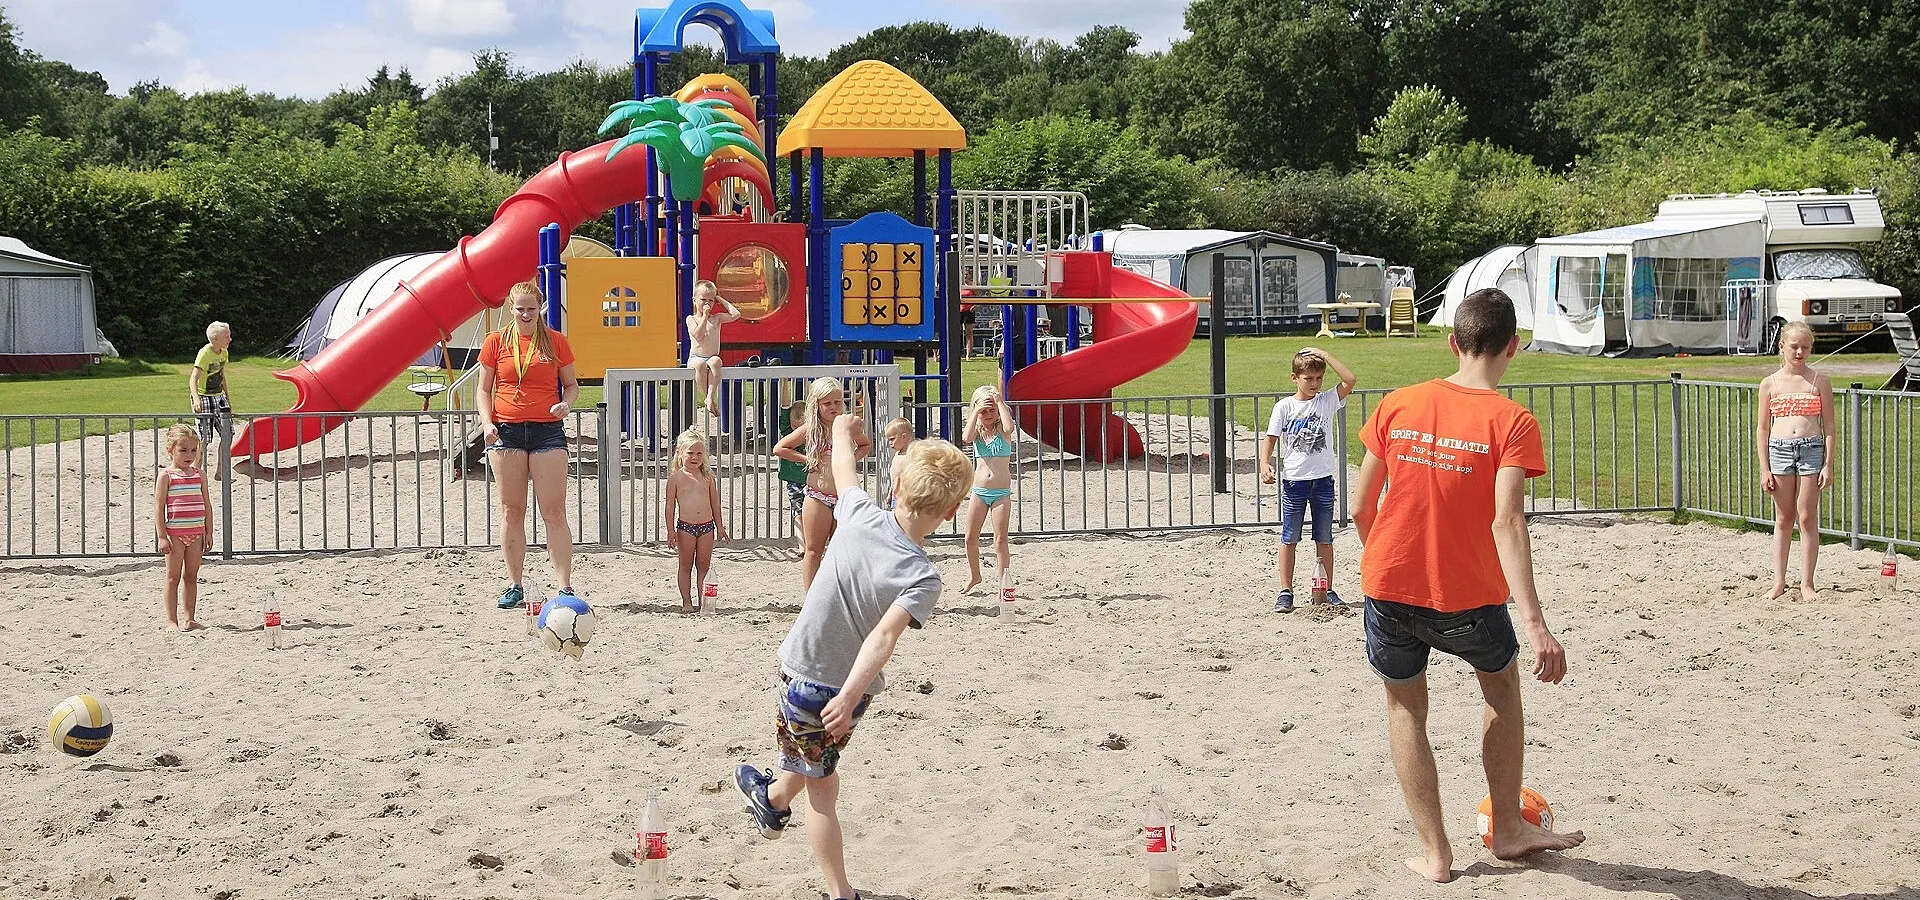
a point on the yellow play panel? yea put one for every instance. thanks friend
(622, 313)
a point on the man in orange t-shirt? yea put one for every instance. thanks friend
(1442, 556)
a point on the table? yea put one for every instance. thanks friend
(1328, 324)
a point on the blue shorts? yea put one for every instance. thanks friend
(801, 734)
(1295, 497)
(1399, 637)
(532, 437)
(1797, 456)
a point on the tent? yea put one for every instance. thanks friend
(1651, 289)
(1292, 272)
(46, 311)
(352, 299)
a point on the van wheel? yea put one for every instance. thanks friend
(1770, 338)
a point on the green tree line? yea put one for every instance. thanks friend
(1424, 132)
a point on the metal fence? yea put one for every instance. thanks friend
(83, 486)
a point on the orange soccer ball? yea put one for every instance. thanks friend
(1533, 808)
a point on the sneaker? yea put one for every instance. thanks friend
(1333, 599)
(566, 592)
(1284, 603)
(753, 786)
(512, 597)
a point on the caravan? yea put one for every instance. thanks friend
(1709, 274)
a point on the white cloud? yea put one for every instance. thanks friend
(459, 18)
(167, 41)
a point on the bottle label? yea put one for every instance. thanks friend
(710, 590)
(1889, 568)
(533, 608)
(653, 845)
(1160, 839)
(273, 618)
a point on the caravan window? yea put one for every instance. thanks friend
(1826, 214)
(1790, 265)
(1239, 285)
(1690, 289)
(1584, 284)
(1280, 286)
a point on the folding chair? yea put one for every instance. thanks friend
(1402, 318)
(1907, 377)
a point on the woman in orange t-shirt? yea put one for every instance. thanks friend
(526, 388)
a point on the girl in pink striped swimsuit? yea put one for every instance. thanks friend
(182, 529)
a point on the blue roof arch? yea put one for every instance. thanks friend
(747, 33)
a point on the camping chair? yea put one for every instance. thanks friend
(1401, 316)
(1907, 377)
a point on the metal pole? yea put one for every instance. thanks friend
(1673, 415)
(226, 481)
(609, 476)
(920, 188)
(943, 231)
(1217, 350)
(1856, 480)
(817, 231)
(549, 272)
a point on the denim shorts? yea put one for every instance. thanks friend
(1796, 456)
(1399, 637)
(800, 731)
(796, 497)
(532, 437)
(1295, 497)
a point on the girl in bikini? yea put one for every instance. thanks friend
(693, 513)
(989, 425)
(182, 529)
(1795, 437)
(811, 445)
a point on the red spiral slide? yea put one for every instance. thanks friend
(473, 276)
(1129, 340)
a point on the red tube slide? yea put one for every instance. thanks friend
(473, 276)
(1129, 340)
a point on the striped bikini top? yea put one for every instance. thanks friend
(185, 508)
(1798, 404)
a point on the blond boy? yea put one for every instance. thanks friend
(874, 583)
(899, 434)
(710, 311)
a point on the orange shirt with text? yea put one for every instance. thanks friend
(528, 396)
(1432, 543)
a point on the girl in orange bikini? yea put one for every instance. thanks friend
(182, 529)
(1795, 437)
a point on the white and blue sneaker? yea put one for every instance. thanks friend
(752, 784)
(1284, 603)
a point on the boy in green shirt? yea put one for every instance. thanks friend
(207, 388)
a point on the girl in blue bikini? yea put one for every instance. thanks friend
(989, 427)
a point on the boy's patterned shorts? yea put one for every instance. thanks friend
(802, 736)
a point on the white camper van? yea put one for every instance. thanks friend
(1813, 272)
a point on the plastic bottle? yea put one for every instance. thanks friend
(1889, 571)
(1007, 597)
(651, 854)
(1321, 581)
(710, 595)
(1163, 855)
(532, 606)
(270, 610)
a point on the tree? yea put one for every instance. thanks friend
(1417, 122)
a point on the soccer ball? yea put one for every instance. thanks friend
(566, 625)
(80, 726)
(1533, 808)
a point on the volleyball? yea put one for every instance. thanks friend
(566, 625)
(80, 726)
(1533, 808)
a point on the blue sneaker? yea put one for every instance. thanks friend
(1284, 604)
(566, 592)
(512, 597)
(753, 786)
(1333, 599)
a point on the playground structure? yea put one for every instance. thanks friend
(698, 204)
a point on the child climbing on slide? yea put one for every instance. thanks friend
(693, 513)
(989, 428)
(710, 311)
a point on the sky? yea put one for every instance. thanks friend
(310, 49)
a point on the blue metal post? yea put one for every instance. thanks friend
(1008, 348)
(550, 271)
(1031, 313)
(796, 204)
(920, 188)
(769, 94)
(943, 241)
(817, 272)
(650, 70)
(1073, 327)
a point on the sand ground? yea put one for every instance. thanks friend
(1711, 745)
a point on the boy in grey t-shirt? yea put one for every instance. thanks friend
(874, 583)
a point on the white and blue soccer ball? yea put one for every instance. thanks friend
(566, 625)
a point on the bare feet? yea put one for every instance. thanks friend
(1531, 838)
(972, 583)
(1779, 589)
(686, 607)
(193, 625)
(1809, 595)
(1439, 870)
(172, 625)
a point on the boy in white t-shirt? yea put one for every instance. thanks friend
(1303, 425)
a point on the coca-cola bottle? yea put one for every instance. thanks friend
(1889, 571)
(1163, 854)
(1007, 596)
(270, 612)
(651, 854)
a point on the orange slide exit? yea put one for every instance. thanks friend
(1129, 340)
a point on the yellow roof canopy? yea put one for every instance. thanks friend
(872, 109)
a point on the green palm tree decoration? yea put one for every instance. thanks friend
(682, 135)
